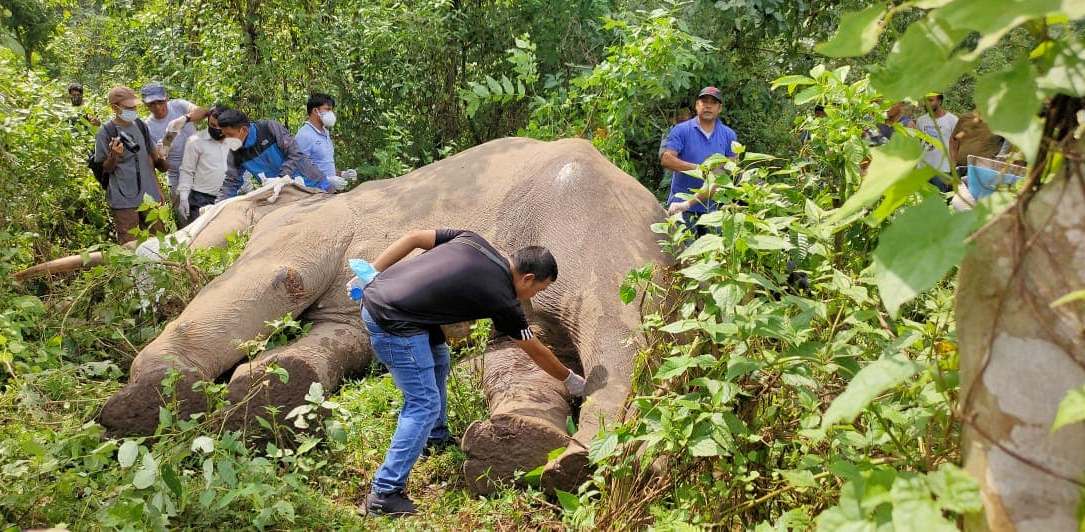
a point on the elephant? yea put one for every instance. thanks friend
(515, 192)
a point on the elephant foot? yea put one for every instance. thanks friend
(500, 446)
(255, 393)
(567, 471)
(133, 410)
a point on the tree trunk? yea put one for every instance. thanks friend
(1019, 357)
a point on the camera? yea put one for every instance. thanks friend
(128, 142)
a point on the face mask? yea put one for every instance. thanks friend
(232, 143)
(327, 118)
(215, 133)
(129, 115)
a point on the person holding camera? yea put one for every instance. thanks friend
(127, 159)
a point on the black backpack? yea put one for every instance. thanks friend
(100, 175)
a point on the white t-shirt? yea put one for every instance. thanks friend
(935, 157)
(176, 108)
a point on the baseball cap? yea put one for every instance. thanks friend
(120, 95)
(153, 92)
(75, 86)
(713, 92)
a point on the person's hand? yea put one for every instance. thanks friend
(177, 124)
(339, 183)
(115, 147)
(183, 208)
(678, 207)
(574, 384)
(350, 175)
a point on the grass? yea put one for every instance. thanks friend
(48, 437)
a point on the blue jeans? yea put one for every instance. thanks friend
(420, 371)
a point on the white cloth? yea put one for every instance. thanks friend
(204, 165)
(942, 130)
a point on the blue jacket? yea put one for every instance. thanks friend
(270, 150)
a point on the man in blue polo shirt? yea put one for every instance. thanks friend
(689, 144)
(313, 138)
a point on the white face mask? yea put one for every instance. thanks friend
(232, 143)
(129, 115)
(327, 118)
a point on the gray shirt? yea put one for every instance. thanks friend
(175, 108)
(134, 175)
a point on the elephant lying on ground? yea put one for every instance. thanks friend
(515, 192)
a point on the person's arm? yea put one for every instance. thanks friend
(187, 172)
(232, 182)
(417, 239)
(670, 161)
(295, 161)
(544, 358)
(110, 152)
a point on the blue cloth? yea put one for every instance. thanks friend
(693, 146)
(421, 373)
(318, 146)
(984, 181)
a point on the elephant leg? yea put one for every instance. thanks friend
(528, 410)
(202, 343)
(326, 354)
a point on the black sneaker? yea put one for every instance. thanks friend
(439, 446)
(393, 504)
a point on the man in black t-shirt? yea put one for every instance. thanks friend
(460, 277)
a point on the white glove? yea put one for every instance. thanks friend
(574, 384)
(183, 207)
(177, 124)
(350, 175)
(337, 182)
(678, 207)
(277, 184)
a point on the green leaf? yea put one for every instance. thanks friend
(917, 249)
(870, 382)
(1076, 295)
(568, 501)
(799, 478)
(913, 508)
(898, 193)
(956, 490)
(203, 443)
(767, 242)
(627, 293)
(171, 480)
(1065, 70)
(147, 472)
(921, 61)
(128, 453)
(857, 34)
(894, 162)
(704, 446)
(1008, 101)
(1071, 409)
(601, 448)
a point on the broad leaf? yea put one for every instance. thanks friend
(917, 249)
(1008, 102)
(870, 382)
(857, 34)
(1071, 409)
(889, 164)
(956, 490)
(128, 453)
(147, 472)
(203, 443)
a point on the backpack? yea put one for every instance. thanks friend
(100, 175)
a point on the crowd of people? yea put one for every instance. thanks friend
(230, 156)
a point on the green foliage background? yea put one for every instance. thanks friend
(771, 408)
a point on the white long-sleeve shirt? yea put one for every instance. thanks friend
(203, 166)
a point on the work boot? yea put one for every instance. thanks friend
(434, 447)
(393, 504)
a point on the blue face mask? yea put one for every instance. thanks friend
(129, 115)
